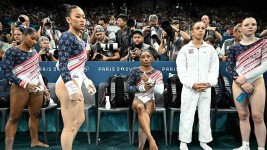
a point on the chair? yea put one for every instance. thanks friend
(100, 109)
(231, 110)
(51, 87)
(172, 111)
(3, 110)
(159, 109)
(89, 102)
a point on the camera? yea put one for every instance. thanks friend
(48, 22)
(134, 47)
(19, 21)
(53, 52)
(85, 36)
(133, 50)
(109, 46)
(131, 23)
(98, 57)
(166, 26)
(107, 49)
(46, 50)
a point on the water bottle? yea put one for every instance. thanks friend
(241, 97)
(107, 106)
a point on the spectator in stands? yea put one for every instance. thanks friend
(133, 52)
(196, 89)
(109, 35)
(210, 31)
(144, 82)
(46, 53)
(123, 37)
(22, 26)
(112, 20)
(27, 87)
(47, 29)
(18, 37)
(85, 36)
(248, 79)
(102, 50)
(180, 38)
(152, 32)
(263, 33)
(72, 58)
(210, 40)
(3, 34)
(3, 47)
(229, 42)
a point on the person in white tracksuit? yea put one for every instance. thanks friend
(198, 69)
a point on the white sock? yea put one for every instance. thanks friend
(245, 146)
(183, 146)
(205, 146)
(244, 143)
(261, 148)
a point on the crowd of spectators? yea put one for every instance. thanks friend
(223, 18)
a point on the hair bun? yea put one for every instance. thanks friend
(66, 6)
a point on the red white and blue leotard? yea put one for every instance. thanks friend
(20, 67)
(72, 58)
(248, 60)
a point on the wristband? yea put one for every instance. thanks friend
(71, 87)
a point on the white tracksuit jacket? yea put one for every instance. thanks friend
(196, 65)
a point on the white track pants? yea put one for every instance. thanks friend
(191, 100)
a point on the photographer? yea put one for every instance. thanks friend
(47, 29)
(102, 50)
(109, 35)
(124, 34)
(22, 23)
(3, 35)
(3, 41)
(3, 48)
(210, 31)
(152, 32)
(133, 52)
(179, 39)
(45, 52)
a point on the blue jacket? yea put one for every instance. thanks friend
(4, 89)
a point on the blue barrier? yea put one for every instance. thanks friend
(101, 71)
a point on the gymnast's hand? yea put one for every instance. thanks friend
(247, 87)
(240, 80)
(31, 87)
(90, 86)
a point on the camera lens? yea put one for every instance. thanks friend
(98, 56)
(133, 50)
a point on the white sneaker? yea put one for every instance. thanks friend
(183, 146)
(243, 147)
(205, 146)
